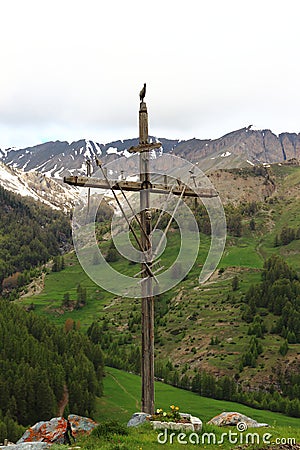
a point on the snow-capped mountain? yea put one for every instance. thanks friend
(59, 159)
(39, 187)
(240, 148)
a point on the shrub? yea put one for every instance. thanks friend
(109, 427)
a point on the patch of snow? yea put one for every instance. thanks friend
(11, 149)
(251, 163)
(49, 172)
(57, 174)
(82, 168)
(225, 154)
(111, 150)
(133, 178)
(26, 164)
(126, 153)
(98, 149)
(89, 152)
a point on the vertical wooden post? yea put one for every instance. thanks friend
(144, 186)
(147, 369)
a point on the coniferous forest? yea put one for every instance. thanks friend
(40, 363)
(30, 233)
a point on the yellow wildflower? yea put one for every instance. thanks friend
(177, 408)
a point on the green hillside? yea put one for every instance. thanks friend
(121, 399)
(200, 327)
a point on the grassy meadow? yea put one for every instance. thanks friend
(122, 399)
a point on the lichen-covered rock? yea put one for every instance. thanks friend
(53, 431)
(137, 419)
(81, 425)
(233, 419)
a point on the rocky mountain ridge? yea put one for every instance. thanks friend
(38, 171)
(58, 159)
(240, 148)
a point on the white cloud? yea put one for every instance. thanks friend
(77, 67)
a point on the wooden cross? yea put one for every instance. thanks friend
(145, 187)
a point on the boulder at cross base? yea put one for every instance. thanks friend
(81, 425)
(233, 419)
(137, 419)
(53, 431)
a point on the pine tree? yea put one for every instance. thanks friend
(276, 241)
(235, 283)
(252, 224)
(291, 337)
(283, 349)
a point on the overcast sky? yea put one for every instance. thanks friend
(74, 69)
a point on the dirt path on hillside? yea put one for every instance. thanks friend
(137, 403)
(64, 401)
(259, 252)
